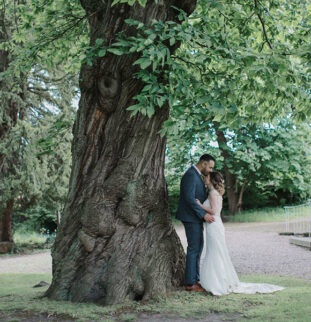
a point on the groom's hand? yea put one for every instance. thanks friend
(198, 202)
(209, 218)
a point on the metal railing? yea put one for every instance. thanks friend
(298, 219)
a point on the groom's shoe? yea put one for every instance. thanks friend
(199, 284)
(195, 288)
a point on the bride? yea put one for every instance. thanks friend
(218, 275)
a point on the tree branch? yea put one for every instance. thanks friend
(188, 62)
(227, 18)
(263, 25)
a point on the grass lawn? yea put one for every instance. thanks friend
(32, 238)
(29, 242)
(268, 215)
(20, 300)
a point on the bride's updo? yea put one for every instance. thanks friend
(218, 182)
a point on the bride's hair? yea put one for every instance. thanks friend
(218, 182)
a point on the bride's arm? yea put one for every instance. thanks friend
(213, 202)
(207, 209)
(213, 196)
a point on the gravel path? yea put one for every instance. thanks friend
(257, 248)
(254, 248)
(35, 263)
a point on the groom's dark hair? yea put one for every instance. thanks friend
(207, 157)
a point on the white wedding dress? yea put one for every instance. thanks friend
(217, 274)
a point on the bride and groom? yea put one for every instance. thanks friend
(195, 208)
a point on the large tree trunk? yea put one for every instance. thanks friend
(116, 241)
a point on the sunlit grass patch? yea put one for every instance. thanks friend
(30, 241)
(292, 304)
(29, 238)
(297, 292)
(259, 215)
(269, 214)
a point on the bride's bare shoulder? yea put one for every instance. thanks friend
(214, 193)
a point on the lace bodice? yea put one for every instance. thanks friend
(219, 203)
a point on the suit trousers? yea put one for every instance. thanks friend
(194, 233)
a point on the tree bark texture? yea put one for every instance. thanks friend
(6, 237)
(6, 222)
(116, 241)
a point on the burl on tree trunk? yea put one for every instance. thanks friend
(116, 241)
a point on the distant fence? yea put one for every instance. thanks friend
(298, 219)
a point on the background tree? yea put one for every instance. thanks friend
(12, 108)
(32, 96)
(231, 74)
(43, 175)
(268, 165)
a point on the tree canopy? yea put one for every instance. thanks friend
(240, 66)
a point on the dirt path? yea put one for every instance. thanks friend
(254, 248)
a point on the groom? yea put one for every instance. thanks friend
(192, 216)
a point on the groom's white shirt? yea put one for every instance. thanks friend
(199, 172)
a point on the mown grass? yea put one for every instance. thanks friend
(270, 214)
(292, 304)
(259, 215)
(22, 238)
(267, 214)
(30, 242)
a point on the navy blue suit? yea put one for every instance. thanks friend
(191, 214)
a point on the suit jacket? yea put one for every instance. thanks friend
(191, 187)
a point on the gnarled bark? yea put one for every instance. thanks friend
(116, 241)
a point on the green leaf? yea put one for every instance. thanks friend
(99, 41)
(102, 52)
(150, 111)
(115, 2)
(143, 62)
(160, 100)
(135, 107)
(142, 2)
(116, 51)
(204, 99)
(172, 41)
